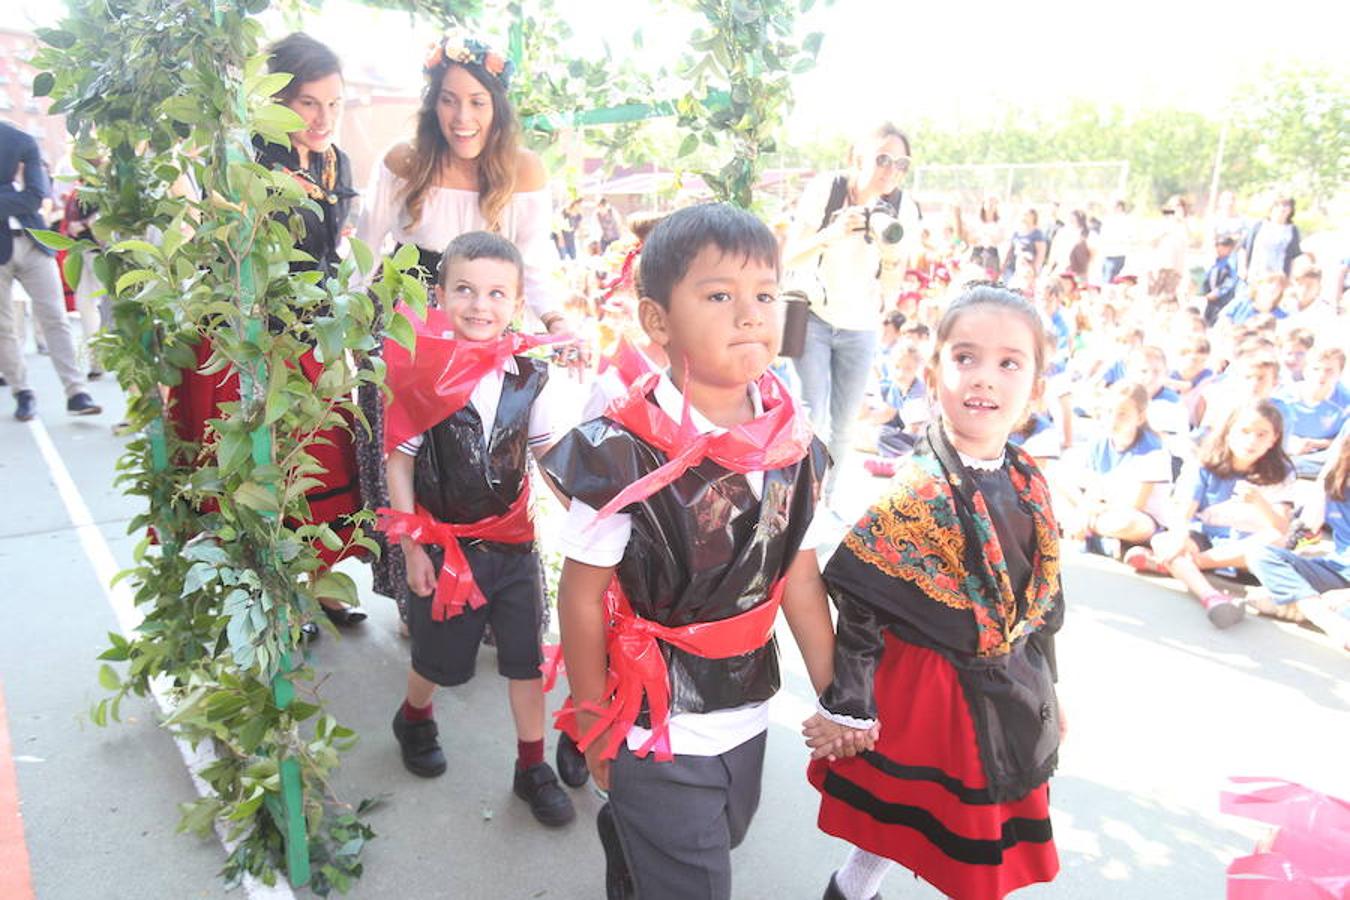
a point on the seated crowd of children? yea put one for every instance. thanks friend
(1180, 435)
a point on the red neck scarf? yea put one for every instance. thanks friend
(628, 361)
(437, 379)
(776, 438)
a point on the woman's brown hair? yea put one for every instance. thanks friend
(1337, 480)
(1273, 467)
(497, 164)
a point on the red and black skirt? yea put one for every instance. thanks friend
(198, 398)
(921, 798)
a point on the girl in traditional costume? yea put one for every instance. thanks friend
(949, 597)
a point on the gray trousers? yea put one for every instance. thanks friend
(36, 271)
(678, 821)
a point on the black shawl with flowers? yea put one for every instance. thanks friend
(925, 564)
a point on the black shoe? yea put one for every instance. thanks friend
(571, 763)
(833, 893)
(25, 405)
(421, 751)
(3, 382)
(618, 880)
(343, 616)
(309, 633)
(538, 786)
(95, 374)
(82, 404)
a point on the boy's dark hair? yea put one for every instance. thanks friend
(678, 238)
(1273, 467)
(991, 293)
(473, 245)
(894, 319)
(304, 58)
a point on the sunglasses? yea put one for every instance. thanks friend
(886, 161)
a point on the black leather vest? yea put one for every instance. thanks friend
(461, 477)
(702, 549)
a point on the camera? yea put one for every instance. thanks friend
(881, 221)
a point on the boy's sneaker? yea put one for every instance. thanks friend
(880, 468)
(1223, 611)
(571, 762)
(618, 880)
(539, 787)
(832, 891)
(422, 753)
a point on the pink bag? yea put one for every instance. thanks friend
(1308, 855)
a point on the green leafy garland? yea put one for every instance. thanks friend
(195, 241)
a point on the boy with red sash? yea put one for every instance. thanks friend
(690, 500)
(466, 407)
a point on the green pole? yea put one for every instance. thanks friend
(283, 691)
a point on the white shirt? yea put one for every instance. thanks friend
(847, 269)
(450, 212)
(602, 544)
(486, 396)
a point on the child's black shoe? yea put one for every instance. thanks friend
(618, 880)
(538, 786)
(422, 753)
(833, 893)
(571, 762)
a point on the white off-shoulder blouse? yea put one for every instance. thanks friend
(450, 212)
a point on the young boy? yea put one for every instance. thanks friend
(690, 499)
(465, 411)
(1313, 417)
(1221, 280)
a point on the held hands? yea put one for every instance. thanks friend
(830, 740)
(421, 573)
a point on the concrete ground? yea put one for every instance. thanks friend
(1161, 707)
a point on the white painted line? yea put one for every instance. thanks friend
(119, 597)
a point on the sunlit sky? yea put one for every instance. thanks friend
(951, 61)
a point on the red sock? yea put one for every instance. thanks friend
(416, 713)
(529, 753)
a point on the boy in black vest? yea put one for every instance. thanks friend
(690, 496)
(466, 408)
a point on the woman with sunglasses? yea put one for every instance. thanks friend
(847, 250)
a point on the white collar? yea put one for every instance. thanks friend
(671, 401)
(982, 465)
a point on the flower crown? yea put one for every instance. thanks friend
(458, 48)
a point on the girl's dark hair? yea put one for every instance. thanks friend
(497, 165)
(977, 294)
(678, 238)
(304, 58)
(1274, 465)
(1337, 480)
(473, 245)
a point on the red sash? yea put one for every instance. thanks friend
(455, 587)
(637, 669)
(437, 380)
(627, 361)
(777, 438)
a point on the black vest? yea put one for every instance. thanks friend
(702, 549)
(461, 477)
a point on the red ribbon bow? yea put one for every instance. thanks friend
(777, 438)
(455, 587)
(637, 669)
(437, 379)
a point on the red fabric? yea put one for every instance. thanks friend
(437, 379)
(197, 398)
(627, 361)
(455, 587)
(925, 722)
(529, 753)
(777, 438)
(625, 276)
(417, 713)
(1308, 856)
(637, 668)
